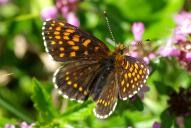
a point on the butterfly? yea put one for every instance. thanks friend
(91, 69)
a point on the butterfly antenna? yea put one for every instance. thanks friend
(109, 27)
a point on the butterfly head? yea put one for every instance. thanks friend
(120, 49)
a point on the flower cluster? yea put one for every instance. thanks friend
(22, 125)
(180, 102)
(67, 9)
(179, 45)
(136, 47)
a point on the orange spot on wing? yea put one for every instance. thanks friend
(58, 28)
(61, 55)
(61, 24)
(62, 49)
(73, 54)
(71, 42)
(57, 37)
(66, 37)
(86, 42)
(75, 85)
(76, 38)
(80, 89)
(66, 33)
(75, 47)
(70, 30)
(52, 42)
(127, 65)
(56, 33)
(60, 42)
(96, 48)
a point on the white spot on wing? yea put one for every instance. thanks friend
(130, 95)
(135, 92)
(65, 96)
(80, 101)
(105, 116)
(125, 98)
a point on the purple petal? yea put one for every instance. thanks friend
(72, 1)
(180, 121)
(185, 27)
(59, 3)
(156, 125)
(179, 37)
(72, 19)
(146, 59)
(142, 91)
(188, 56)
(64, 11)
(3, 2)
(137, 29)
(181, 17)
(49, 13)
(9, 126)
(168, 49)
(25, 125)
(152, 56)
(164, 51)
(174, 52)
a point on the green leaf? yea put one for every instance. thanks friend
(162, 88)
(167, 119)
(77, 108)
(42, 102)
(187, 121)
(138, 104)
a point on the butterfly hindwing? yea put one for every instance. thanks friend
(65, 42)
(74, 79)
(131, 76)
(107, 101)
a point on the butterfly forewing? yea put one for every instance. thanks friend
(74, 79)
(65, 42)
(131, 76)
(107, 101)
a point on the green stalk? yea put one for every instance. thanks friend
(17, 113)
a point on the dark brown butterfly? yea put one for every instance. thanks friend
(92, 70)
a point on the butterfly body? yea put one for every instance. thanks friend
(91, 69)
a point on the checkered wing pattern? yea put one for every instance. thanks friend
(65, 42)
(131, 76)
(73, 80)
(107, 101)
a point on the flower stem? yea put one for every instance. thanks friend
(17, 113)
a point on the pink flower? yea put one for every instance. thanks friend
(181, 17)
(169, 50)
(185, 27)
(3, 2)
(156, 125)
(137, 29)
(72, 19)
(188, 56)
(72, 1)
(64, 10)
(9, 126)
(25, 125)
(49, 13)
(178, 37)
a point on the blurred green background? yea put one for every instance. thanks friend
(26, 90)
